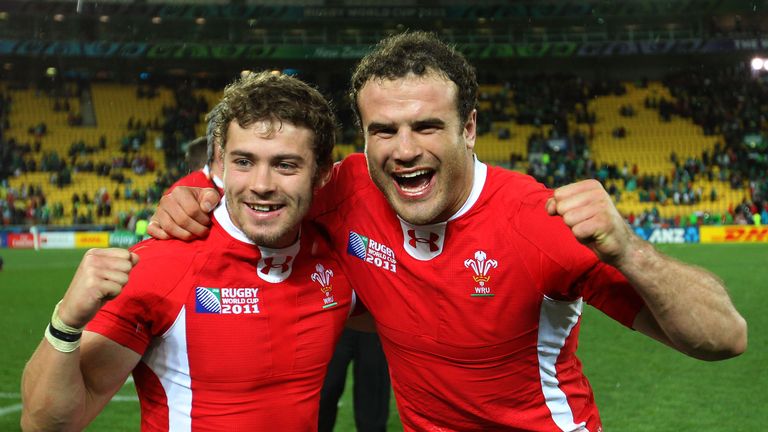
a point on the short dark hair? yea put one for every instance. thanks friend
(197, 153)
(213, 119)
(278, 98)
(419, 53)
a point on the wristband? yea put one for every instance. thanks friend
(62, 337)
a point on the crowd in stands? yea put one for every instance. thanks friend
(725, 104)
(181, 120)
(26, 206)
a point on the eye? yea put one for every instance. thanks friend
(242, 162)
(385, 133)
(286, 166)
(382, 132)
(427, 129)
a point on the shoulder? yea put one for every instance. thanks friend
(349, 181)
(153, 249)
(194, 179)
(521, 197)
(523, 201)
(515, 185)
(162, 263)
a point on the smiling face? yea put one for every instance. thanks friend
(269, 178)
(419, 152)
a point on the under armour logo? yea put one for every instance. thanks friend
(432, 240)
(269, 264)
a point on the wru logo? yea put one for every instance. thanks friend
(480, 265)
(323, 277)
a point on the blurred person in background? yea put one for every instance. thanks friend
(210, 171)
(359, 345)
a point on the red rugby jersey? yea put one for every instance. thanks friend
(232, 336)
(478, 316)
(201, 178)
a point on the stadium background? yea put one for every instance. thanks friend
(663, 101)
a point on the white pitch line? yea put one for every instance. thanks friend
(118, 398)
(10, 409)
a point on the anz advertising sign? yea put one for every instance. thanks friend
(669, 235)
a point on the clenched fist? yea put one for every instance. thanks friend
(588, 210)
(99, 278)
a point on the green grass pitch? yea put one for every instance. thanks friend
(639, 384)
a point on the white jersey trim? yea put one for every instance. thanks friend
(478, 181)
(222, 215)
(425, 242)
(216, 180)
(556, 321)
(167, 358)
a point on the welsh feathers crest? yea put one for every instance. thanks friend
(480, 265)
(323, 277)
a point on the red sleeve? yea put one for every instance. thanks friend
(567, 269)
(144, 309)
(605, 288)
(194, 179)
(348, 177)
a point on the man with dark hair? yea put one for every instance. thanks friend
(476, 276)
(196, 155)
(210, 174)
(233, 331)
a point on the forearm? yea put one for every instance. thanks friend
(690, 305)
(53, 391)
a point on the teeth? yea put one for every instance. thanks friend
(414, 174)
(263, 208)
(414, 189)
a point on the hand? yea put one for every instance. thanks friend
(589, 212)
(183, 213)
(99, 278)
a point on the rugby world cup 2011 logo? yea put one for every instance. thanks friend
(371, 251)
(227, 301)
(323, 277)
(357, 245)
(207, 300)
(480, 266)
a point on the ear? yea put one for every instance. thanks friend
(323, 176)
(470, 130)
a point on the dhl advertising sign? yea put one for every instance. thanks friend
(734, 234)
(91, 240)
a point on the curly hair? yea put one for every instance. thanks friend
(275, 98)
(419, 53)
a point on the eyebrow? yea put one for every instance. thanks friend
(427, 123)
(418, 124)
(279, 156)
(378, 127)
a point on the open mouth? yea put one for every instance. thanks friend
(414, 182)
(263, 208)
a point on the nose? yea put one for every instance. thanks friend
(407, 148)
(262, 180)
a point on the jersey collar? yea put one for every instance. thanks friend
(275, 265)
(425, 242)
(478, 181)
